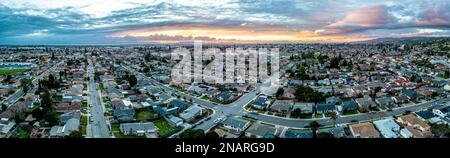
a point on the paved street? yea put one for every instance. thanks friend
(301, 123)
(98, 125)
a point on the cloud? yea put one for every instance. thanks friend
(28, 21)
(370, 17)
(437, 15)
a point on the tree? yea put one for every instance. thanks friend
(25, 84)
(4, 107)
(280, 92)
(132, 80)
(212, 134)
(447, 74)
(314, 126)
(193, 133)
(18, 119)
(51, 79)
(334, 63)
(413, 78)
(75, 134)
(307, 94)
(325, 135)
(301, 72)
(8, 78)
(146, 69)
(46, 101)
(296, 112)
(51, 117)
(61, 73)
(333, 117)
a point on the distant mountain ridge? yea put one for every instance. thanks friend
(403, 40)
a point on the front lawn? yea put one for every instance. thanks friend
(107, 106)
(350, 112)
(83, 125)
(120, 135)
(115, 127)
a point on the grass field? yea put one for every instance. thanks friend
(11, 71)
(144, 115)
(115, 127)
(164, 127)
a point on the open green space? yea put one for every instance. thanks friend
(11, 71)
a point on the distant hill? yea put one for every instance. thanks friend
(403, 40)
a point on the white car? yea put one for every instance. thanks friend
(218, 120)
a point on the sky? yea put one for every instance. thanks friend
(174, 21)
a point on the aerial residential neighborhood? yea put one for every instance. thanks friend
(224, 69)
(325, 90)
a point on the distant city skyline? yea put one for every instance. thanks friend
(221, 21)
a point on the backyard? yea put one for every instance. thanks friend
(144, 115)
(165, 129)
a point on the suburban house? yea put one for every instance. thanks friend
(63, 118)
(384, 101)
(139, 129)
(443, 112)
(173, 120)
(305, 108)
(281, 107)
(69, 98)
(181, 105)
(191, 113)
(401, 99)
(293, 133)
(349, 106)
(364, 130)
(334, 100)
(388, 128)
(164, 111)
(413, 95)
(117, 103)
(63, 107)
(124, 115)
(426, 114)
(5, 128)
(365, 103)
(417, 127)
(260, 131)
(71, 125)
(262, 102)
(323, 108)
(235, 125)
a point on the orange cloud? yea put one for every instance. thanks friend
(233, 34)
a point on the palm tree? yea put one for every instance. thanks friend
(314, 126)
(333, 117)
